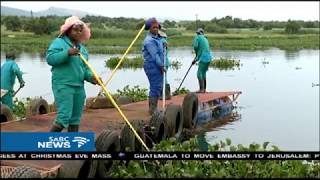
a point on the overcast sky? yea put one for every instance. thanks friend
(185, 10)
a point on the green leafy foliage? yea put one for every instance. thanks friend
(225, 64)
(12, 23)
(180, 91)
(19, 106)
(267, 27)
(135, 62)
(213, 27)
(292, 27)
(113, 35)
(136, 93)
(216, 168)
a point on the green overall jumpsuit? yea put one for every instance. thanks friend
(68, 75)
(9, 71)
(201, 47)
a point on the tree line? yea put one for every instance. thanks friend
(50, 24)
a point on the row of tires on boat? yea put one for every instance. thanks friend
(161, 126)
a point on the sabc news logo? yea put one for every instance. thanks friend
(80, 140)
(63, 142)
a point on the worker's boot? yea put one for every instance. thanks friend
(205, 85)
(201, 86)
(73, 128)
(153, 104)
(56, 128)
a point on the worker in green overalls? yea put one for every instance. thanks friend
(69, 73)
(9, 71)
(201, 47)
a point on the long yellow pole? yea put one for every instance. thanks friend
(119, 63)
(112, 100)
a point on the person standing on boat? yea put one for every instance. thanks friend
(201, 47)
(9, 71)
(69, 73)
(153, 62)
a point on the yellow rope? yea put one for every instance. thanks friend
(119, 63)
(112, 100)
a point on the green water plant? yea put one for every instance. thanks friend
(216, 168)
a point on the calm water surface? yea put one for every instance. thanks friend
(278, 103)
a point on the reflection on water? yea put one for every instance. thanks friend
(214, 124)
(279, 101)
(292, 55)
(221, 123)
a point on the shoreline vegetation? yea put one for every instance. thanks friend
(114, 35)
(243, 40)
(137, 62)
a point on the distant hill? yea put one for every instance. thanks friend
(50, 11)
(14, 12)
(62, 12)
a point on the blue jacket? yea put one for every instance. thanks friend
(153, 50)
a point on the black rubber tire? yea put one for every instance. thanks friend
(174, 117)
(128, 141)
(37, 106)
(158, 126)
(6, 114)
(24, 172)
(108, 141)
(190, 110)
(101, 102)
(88, 169)
(124, 100)
(53, 107)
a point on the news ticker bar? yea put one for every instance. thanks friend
(161, 156)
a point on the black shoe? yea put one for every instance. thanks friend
(73, 128)
(56, 128)
(201, 85)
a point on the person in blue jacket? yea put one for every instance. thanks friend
(9, 71)
(69, 73)
(153, 62)
(201, 47)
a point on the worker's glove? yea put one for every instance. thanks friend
(95, 80)
(163, 70)
(73, 51)
(166, 68)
